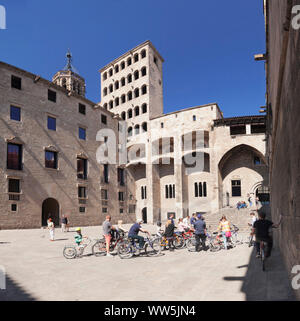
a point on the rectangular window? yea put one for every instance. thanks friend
(16, 82)
(51, 95)
(103, 119)
(104, 194)
(81, 168)
(51, 123)
(204, 189)
(81, 209)
(15, 113)
(258, 129)
(196, 189)
(238, 130)
(104, 209)
(131, 209)
(14, 207)
(144, 192)
(236, 188)
(194, 118)
(50, 159)
(14, 157)
(82, 133)
(81, 109)
(13, 185)
(121, 210)
(257, 160)
(121, 175)
(121, 196)
(105, 173)
(81, 192)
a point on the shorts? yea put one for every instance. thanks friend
(107, 237)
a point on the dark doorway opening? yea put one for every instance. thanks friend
(50, 208)
(144, 215)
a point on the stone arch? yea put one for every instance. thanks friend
(50, 208)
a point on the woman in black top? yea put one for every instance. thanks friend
(169, 234)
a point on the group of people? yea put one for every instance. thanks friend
(243, 204)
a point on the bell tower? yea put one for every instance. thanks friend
(69, 78)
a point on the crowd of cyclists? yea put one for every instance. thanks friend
(190, 232)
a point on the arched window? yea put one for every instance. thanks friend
(105, 106)
(170, 191)
(123, 115)
(167, 191)
(111, 104)
(123, 82)
(144, 108)
(129, 131)
(143, 53)
(105, 76)
(105, 91)
(136, 129)
(144, 71)
(123, 99)
(144, 127)
(116, 85)
(196, 189)
(110, 88)
(122, 65)
(129, 95)
(110, 72)
(173, 188)
(129, 78)
(136, 75)
(117, 101)
(116, 69)
(129, 113)
(136, 58)
(129, 61)
(136, 111)
(136, 92)
(144, 90)
(64, 83)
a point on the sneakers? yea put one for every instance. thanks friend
(108, 254)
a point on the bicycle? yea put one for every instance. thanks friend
(186, 235)
(128, 247)
(235, 237)
(178, 242)
(99, 248)
(262, 254)
(72, 251)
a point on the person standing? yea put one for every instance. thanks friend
(200, 233)
(193, 219)
(224, 228)
(63, 224)
(107, 228)
(169, 234)
(250, 200)
(181, 226)
(186, 221)
(172, 218)
(51, 229)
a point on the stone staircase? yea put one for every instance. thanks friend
(240, 218)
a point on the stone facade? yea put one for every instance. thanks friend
(191, 160)
(283, 97)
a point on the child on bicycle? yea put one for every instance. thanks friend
(159, 231)
(78, 237)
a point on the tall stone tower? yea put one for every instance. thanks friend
(69, 78)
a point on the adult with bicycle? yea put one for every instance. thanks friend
(107, 229)
(169, 234)
(134, 231)
(261, 230)
(224, 228)
(200, 233)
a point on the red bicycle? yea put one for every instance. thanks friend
(185, 236)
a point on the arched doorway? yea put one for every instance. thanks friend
(263, 194)
(144, 215)
(50, 208)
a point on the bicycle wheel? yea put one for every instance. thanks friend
(70, 252)
(214, 247)
(99, 248)
(237, 239)
(153, 248)
(191, 244)
(179, 242)
(125, 250)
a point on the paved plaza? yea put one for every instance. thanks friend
(36, 270)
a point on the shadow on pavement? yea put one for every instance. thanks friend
(271, 285)
(14, 292)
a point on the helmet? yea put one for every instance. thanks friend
(140, 221)
(78, 229)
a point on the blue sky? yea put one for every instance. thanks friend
(208, 46)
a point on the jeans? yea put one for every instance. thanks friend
(200, 238)
(140, 239)
(224, 239)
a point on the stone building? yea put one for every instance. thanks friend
(283, 125)
(51, 137)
